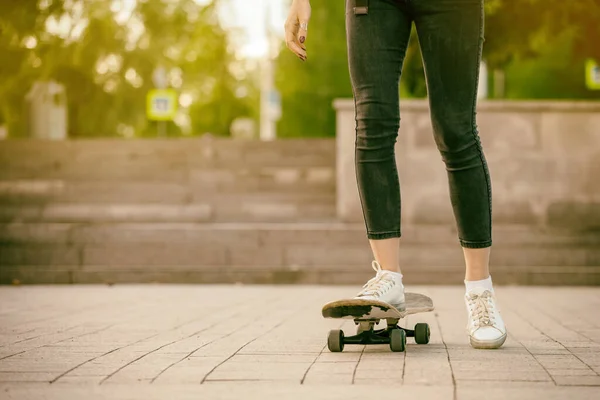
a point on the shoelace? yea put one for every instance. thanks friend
(377, 285)
(482, 309)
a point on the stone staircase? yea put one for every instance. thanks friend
(221, 211)
(300, 252)
(159, 181)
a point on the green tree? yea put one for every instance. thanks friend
(105, 54)
(515, 29)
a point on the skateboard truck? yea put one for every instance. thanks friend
(366, 334)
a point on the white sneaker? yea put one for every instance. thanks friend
(485, 325)
(386, 287)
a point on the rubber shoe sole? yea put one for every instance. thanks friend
(488, 344)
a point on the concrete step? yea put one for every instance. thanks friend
(276, 233)
(290, 252)
(209, 185)
(155, 159)
(243, 208)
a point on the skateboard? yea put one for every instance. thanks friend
(367, 313)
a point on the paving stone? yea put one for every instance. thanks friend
(577, 380)
(561, 361)
(432, 369)
(160, 341)
(571, 372)
(328, 379)
(86, 380)
(189, 370)
(267, 371)
(527, 393)
(27, 376)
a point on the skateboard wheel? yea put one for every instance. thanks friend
(422, 333)
(397, 340)
(335, 341)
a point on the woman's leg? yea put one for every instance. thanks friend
(451, 39)
(377, 45)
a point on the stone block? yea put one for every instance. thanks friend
(212, 178)
(36, 275)
(561, 362)
(284, 176)
(241, 254)
(312, 233)
(571, 372)
(510, 132)
(126, 213)
(27, 233)
(574, 215)
(22, 213)
(416, 126)
(143, 161)
(33, 159)
(430, 211)
(231, 371)
(206, 234)
(258, 211)
(171, 255)
(320, 255)
(132, 192)
(39, 254)
(16, 376)
(286, 153)
(574, 133)
(21, 191)
(516, 213)
(321, 176)
(577, 380)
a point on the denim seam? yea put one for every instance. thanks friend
(362, 206)
(475, 245)
(383, 235)
(474, 111)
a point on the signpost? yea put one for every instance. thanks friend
(161, 103)
(592, 75)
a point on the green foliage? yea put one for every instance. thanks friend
(412, 81)
(105, 57)
(555, 74)
(542, 45)
(520, 28)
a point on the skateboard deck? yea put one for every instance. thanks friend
(372, 310)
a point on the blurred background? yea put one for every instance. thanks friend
(179, 141)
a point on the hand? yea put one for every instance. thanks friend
(296, 27)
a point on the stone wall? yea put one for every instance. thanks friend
(544, 159)
(188, 180)
(220, 211)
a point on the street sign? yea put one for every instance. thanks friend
(161, 104)
(592, 75)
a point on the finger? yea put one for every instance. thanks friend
(292, 44)
(299, 51)
(302, 33)
(304, 14)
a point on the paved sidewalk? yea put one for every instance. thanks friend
(262, 342)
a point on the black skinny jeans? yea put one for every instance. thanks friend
(451, 39)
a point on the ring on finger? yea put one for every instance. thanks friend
(304, 25)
